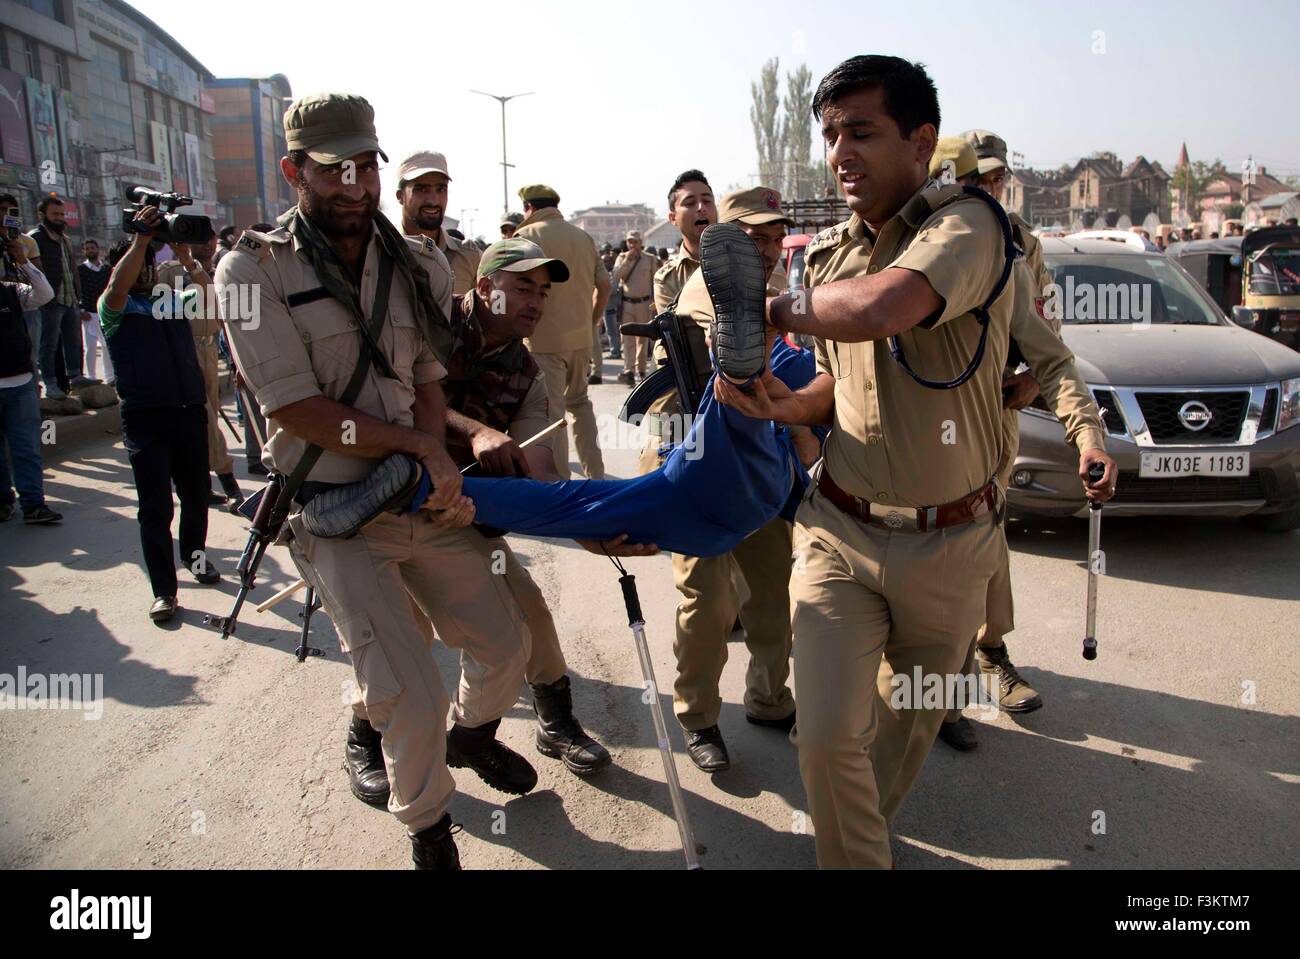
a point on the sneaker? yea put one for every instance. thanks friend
(41, 515)
(736, 279)
(52, 392)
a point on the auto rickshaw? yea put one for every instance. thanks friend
(1216, 265)
(1270, 284)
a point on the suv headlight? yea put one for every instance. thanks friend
(1288, 411)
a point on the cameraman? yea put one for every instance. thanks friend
(13, 230)
(164, 423)
(20, 405)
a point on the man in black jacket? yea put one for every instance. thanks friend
(164, 422)
(93, 274)
(61, 317)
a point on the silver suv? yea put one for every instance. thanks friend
(1199, 413)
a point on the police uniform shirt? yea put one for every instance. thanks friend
(894, 441)
(566, 323)
(671, 277)
(463, 258)
(635, 277)
(305, 343)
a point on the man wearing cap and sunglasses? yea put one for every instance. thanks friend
(1052, 370)
(561, 345)
(346, 358)
(422, 182)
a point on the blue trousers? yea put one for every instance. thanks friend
(60, 324)
(20, 423)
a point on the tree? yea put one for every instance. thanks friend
(769, 135)
(797, 129)
(1192, 180)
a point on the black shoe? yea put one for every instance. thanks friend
(364, 760)
(231, 486)
(434, 848)
(560, 736)
(208, 575)
(737, 283)
(707, 750)
(216, 499)
(1014, 694)
(163, 609)
(959, 735)
(594, 379)
(40, 515)
(6, 510)
(257, 469)
(496, 764)
(785, 725)
(627, 379)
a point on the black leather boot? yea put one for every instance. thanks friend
(434, 848)
(364, 760)
(707, 750)
(559, 735)
(496, 764)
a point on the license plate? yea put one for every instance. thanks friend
(1162, 465)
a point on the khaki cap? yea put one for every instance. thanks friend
(419, 163)
(519, 256)
(755, 206)
(538, 191)
(331, 127)
(633, 235)
(957, 153)
(990, 149)
(512, 219)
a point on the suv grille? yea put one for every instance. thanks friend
(1132, 488)
(1160, 410)
(1110, 414)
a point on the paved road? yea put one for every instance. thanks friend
(228, 754)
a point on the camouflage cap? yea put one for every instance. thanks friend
(331, 127)
(990, 149)
(955, 153)
(755, 207)
(538, 191)
(518, 255)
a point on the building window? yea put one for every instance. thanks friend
(61, 68)
(32, 57)
(148, 106)
(46, 8)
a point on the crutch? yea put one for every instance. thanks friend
(1095, 472)
(634, 619)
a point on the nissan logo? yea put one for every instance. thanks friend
(1195, 415)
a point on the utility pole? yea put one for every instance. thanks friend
(505, 165)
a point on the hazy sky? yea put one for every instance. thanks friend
(626, 95)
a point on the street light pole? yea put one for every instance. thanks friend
(505, 165)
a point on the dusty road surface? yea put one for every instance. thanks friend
(1179, 746)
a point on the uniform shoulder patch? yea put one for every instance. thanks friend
(423, 245)
(259, 244)
(826, 238)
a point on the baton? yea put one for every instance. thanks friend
(230, 426)
(1095, 472)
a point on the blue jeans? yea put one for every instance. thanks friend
(20, 424)
(615, 338)
(59, 322)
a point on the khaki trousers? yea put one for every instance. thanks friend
(666, 405)
(870, 603)
(379, 587)
(219, 460)
(706, 613)
(566, 389)
(636, 349)
(1001, 612)
(545, 660)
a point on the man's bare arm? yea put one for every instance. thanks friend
(859, 308)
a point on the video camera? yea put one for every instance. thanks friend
(175, 227)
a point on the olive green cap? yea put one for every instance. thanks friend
(331, 127)
(518, 255)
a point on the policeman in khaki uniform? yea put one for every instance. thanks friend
(634, 272)
(1052, 370)
(897, 540)
(422, 182)
(298, 359)
(691, 208)
(710, 601)
(562, 343)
